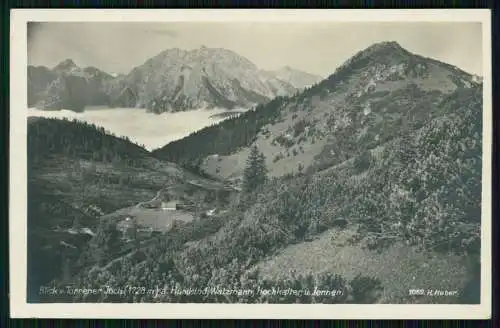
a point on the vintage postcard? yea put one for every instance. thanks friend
(250, 164)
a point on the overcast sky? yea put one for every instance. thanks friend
(313, 47)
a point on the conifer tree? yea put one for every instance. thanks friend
(255, 173)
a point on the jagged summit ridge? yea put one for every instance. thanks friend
(201, 55)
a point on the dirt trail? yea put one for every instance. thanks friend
(156, 198)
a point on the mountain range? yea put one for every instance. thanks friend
(174, 80)
(375, 96)
(380, 161)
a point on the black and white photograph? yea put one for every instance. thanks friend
(262, 161)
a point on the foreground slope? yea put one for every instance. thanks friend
(399, 268)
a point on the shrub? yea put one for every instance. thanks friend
(299, 127)
(302, 138)
(284, 141)
(340, 223)
(363, 161)
(364, 289)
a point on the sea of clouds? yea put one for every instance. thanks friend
(151, 130)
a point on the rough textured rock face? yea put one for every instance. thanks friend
(178, 80)
(67, 86)
(174, 80)
(65, 92)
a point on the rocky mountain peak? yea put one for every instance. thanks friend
(386, 53)
(297, 78)
(92, 71)
(388, 62)
(385, 48)
(394, 45)
(66, 66)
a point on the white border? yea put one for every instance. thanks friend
(18, 179)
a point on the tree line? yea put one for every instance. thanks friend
(48, 136)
